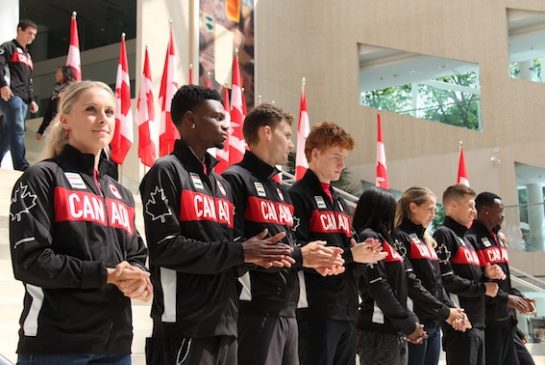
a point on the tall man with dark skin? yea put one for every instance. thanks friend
(16, 93)
(500, 310)
(267, 324)
(188, 215)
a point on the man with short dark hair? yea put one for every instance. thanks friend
(500, 310)
(267, 324)
(462, 277)
(188, 216)
(16, 94)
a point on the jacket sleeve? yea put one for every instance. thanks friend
(380, 290)
(136, 251)
(239, 201)
(417, 292)
(454, 283)
(48, 115)
(33, 257)
(4, 57)
(168, 245)
(301, 234)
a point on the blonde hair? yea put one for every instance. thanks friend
(56, 138)
(417, 195)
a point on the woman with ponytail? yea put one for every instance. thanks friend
(414, 213)
(74, 244)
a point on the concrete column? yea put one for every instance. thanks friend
(9, 17)
(526, 73)
(536, 216)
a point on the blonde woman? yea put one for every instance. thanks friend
(74, 244)
(414, 213)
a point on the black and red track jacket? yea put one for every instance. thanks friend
(68, 224)
(383, 290)
(461, 271)
(430, 301)
(263, 203)
(490, 251)
(188, 215)
(16, 70)
(317, 217)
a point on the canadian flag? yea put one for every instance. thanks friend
(382, 170)
(147, 130)
(208, 81)
(190, 75)
(222, 154)
(237, 145)
(303, 129)
(123, 134)
(73, 59)
(463, 178)
(167, 130)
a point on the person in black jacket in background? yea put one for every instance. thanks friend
(462, 277)
(16, 92)
(267, 326)
(188, 215)
(414, 213)
(384, 321)
(74, 244)
(64, 75)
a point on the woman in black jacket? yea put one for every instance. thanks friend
(414, 213)
(384, 322)
(74, 244)
(64, 75)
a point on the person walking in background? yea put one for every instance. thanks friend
(64, 75)
(16, 93)
(385, 324)
(415, 212)
(74, 243)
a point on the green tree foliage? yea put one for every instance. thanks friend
(446, 106)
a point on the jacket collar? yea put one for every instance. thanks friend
(185, 154)
(74, 160)
(258, 167)
(409, 227)
(458, 228)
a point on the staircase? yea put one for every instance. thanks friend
(11, 290)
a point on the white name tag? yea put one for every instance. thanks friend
(75, 180)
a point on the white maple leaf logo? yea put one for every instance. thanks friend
(26, 199)
(443, 253)
(157, 205)
(401, 249)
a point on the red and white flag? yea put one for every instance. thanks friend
(303, 129)
(73, 59)
(463, 178)
(167, 130)
(190, 76)
(123, 134)
(222, 155)
(382, 170)
(208, 81)
(147, 130)
(237, 145)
